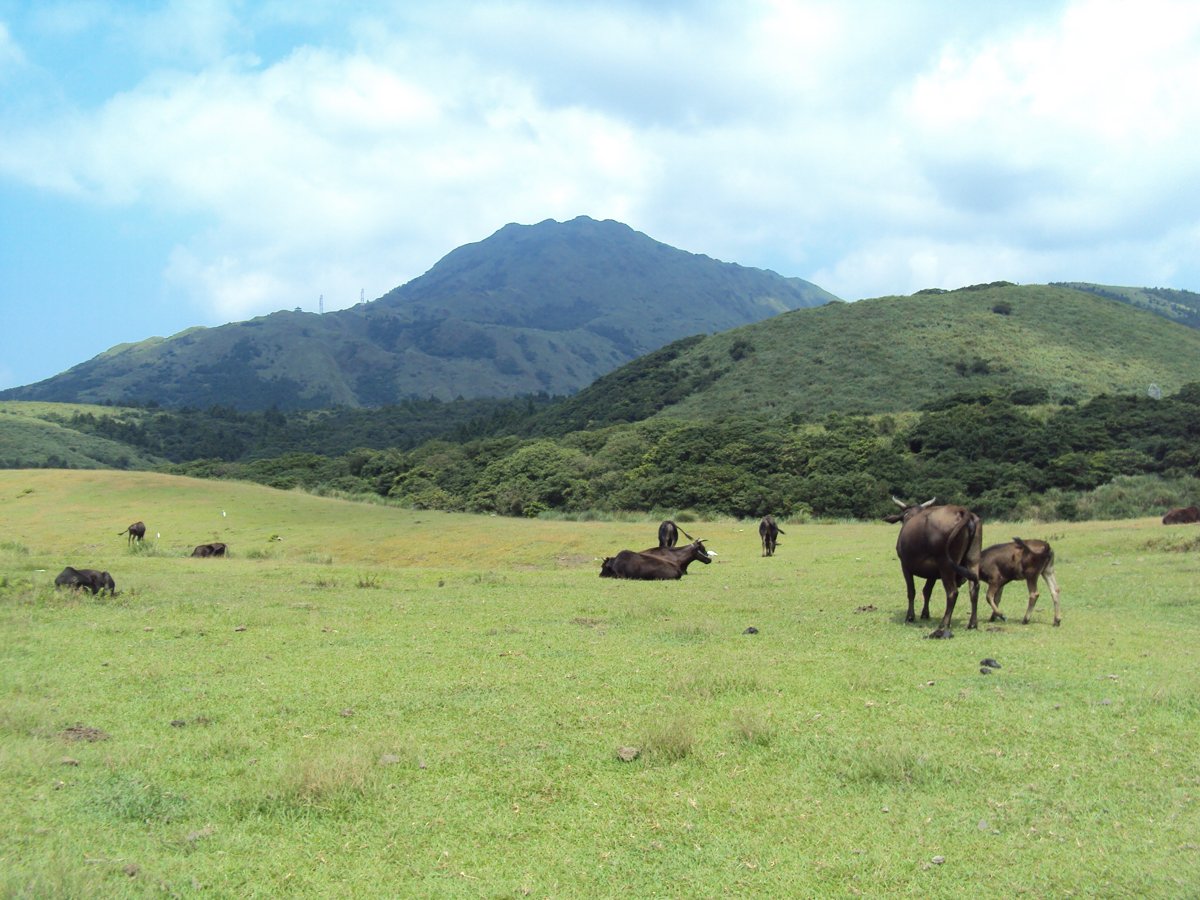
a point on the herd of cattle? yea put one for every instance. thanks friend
(936, 543)
(96, 581)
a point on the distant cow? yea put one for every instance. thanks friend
(769, 531)
(90, 579)
(136, 531)
(668, 534)
(629, 564)
(1002, 563)
(939, 542)
(209, 550)
(1185, 515)
(681, 556)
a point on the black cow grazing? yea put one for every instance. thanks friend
(90, 579)
(681, 556)
(668, 534)
(769, 531)
(939, 542)
(1002, 563)
(204, 550)
(629, 564)
(1184, 515)
(136, 531)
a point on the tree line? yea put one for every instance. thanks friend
(1006, 457)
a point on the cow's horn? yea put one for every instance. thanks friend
(899, 503)
(928, 502)
(685, 534)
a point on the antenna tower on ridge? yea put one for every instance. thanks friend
(321, 305)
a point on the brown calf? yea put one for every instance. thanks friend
(1019, 559)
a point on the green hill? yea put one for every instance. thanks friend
(894, 354)
(31, 436)
(1179, 306)
(534, 309)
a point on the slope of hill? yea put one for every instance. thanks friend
(541, 308)
(898, 353)
(1179, 306)
(30, 438)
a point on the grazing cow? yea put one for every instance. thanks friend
(1184, 515)
(769, 531)
(91, 579)
(668, 534)
(628, 564)
(681, 556)
(136, 531)
(209, 550)
(939, 542)
(1002, 563)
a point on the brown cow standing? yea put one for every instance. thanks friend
(1002, 563)
(1184, 515)
(668, 534)
(769, 531)
(939, 542)
(136, 531)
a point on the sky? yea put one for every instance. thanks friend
(166, 165)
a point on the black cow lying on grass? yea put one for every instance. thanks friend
(89, 579)
(209, 550)
(630, 564)
(681, 556)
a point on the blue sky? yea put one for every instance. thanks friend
(164, 165)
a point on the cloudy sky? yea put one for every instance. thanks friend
(203, 161)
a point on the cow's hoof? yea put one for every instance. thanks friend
(1057, 622)
(941, 633)
(990, 663)
(997, 617)
(984, 670)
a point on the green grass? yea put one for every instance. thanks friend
(396, 703)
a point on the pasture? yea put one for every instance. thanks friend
(365, 701)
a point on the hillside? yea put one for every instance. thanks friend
(1178, 306)
(544, 308)
(31, 437)
(893, 354)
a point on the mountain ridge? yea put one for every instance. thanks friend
(543, 308)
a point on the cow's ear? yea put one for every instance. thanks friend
(893, 518)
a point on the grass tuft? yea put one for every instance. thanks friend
(671, 739)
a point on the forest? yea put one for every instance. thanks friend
(1007, 456)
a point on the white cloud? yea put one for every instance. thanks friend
(870, 147)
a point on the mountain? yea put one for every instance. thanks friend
(531, 309)
(1046, 343)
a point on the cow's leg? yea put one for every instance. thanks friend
(1053, 583)
(912, 593)
(994, 593)
(951, 585)
(926, 592)
(973, 593)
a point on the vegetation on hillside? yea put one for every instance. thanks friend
(540, 308)
(1003, 458)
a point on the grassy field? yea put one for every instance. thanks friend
(365, 701)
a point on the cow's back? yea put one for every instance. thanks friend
(932, 534)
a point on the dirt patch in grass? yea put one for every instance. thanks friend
(81, 732)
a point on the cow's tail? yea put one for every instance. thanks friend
(970, 523)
